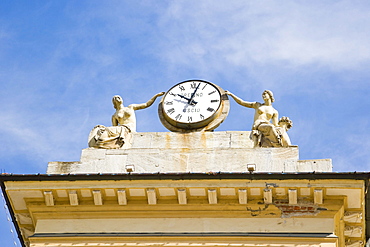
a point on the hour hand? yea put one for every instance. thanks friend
(182, 96)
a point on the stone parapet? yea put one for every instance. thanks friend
(198, 152)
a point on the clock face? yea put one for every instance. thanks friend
(192, 102)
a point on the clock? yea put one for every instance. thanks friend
(193, 105)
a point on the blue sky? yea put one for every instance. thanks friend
(62, 61)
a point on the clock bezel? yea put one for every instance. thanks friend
(208, 124)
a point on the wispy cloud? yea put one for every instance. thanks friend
(290, 35)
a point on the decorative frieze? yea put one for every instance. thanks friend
(122, 198)
(73, 198)
(352, 217)
(181, 196)
(152, 196)
(267, 196)
(49, 198)
(98, 200)
(353, 231)
(256, 202)
(318, 196)
(242, 195)
(355, 244)
(212, 196)
(293, 197)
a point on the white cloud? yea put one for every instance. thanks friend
(282, 33)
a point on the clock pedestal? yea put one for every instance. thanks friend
(196, 152)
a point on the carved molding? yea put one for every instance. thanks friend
(352, 217)
(355, 244)
(353, 231)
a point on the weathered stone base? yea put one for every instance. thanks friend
(169, 152)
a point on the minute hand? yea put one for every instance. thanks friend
(191, 101)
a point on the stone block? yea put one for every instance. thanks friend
(92, 154)
(169, 152)
(240, 139)
(314, 165)
(141, 140)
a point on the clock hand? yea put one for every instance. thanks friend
(186, 98)
(183, 96)
(191, 102)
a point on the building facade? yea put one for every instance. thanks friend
(194, 189)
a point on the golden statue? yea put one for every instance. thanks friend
(123, 121)
(267, 130)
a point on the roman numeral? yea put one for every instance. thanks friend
(178, 117)
(212, 92)
(190, 118)
(214, 100)
(182, 88)
(201, 116)
(170, 111)
(168, 102)
(204, 86)
(193, 85)
(171, 93)
(210, 109)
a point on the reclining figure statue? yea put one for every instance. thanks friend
(267, 130)
(123, 121)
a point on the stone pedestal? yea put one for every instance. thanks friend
(198, 152)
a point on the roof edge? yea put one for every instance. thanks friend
(184, 176)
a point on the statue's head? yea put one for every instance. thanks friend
(117, 101)
(270, 94)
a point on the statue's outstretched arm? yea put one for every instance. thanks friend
(240, 101)
(147, 104)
